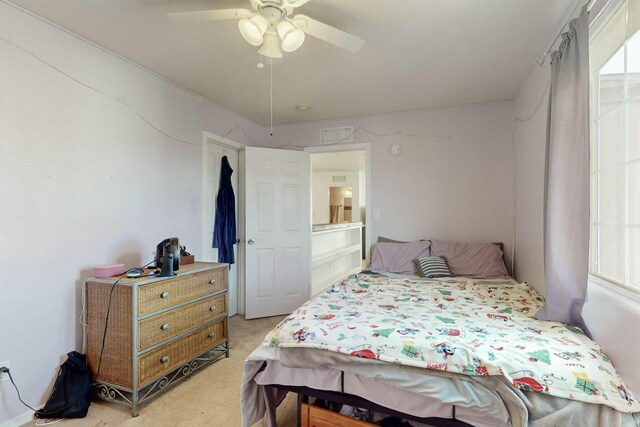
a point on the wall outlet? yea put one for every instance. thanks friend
(4, 376)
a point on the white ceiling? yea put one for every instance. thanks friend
(418, 54)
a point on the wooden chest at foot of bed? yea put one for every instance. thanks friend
(313, 416)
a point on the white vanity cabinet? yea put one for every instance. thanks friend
(336, 253)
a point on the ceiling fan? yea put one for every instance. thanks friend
(271, 26)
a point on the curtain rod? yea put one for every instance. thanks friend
(566, 18)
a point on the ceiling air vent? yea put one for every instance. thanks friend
(339, 178)
(336, 135)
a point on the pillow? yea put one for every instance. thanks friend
(397, 257)
(475, 260)
(432, 267)
(384, 239)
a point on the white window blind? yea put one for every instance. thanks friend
(615, 152)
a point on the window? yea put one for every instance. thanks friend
(615, 149)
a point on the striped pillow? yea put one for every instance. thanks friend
(432, 266)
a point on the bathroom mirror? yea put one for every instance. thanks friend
(340, 204)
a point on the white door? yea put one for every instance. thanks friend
(213, 159)
(277, 231)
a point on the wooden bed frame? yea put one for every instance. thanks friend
(304, 393)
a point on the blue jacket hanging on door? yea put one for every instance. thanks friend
(224, 229)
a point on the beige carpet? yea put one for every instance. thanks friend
(210, 397)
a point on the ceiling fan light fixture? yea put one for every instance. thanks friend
(292, 37)
(271, 46)
(253, 29)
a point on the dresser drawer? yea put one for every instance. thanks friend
(169, 356)
(156, 329)
(166, 293)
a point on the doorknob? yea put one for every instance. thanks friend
(250, 241)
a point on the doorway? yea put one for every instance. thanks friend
(340, 186)
(214, 148)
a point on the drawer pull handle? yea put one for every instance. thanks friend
(212, 281)
(164, 359)
(212, 335)
(164, 295)
(164, 327)
(213, 308)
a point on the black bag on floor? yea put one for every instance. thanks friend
(71, 394)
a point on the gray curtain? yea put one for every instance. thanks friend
(566, 221)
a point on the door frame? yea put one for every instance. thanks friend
(366, 146)
(212, 138)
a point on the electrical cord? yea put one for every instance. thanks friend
(117, 99)
(104, 336)
(48, 421)
(81, 318)
(8, 372)
(349, 137)
(514, 145)
(106, 320)
(44, 422)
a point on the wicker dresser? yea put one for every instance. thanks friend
(159, 330)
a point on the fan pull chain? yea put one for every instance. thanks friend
(271, 95)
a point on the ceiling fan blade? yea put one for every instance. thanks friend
(328, 33)
(211, 15)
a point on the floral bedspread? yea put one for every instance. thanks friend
(468, 327)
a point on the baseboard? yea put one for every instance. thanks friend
(19, 420)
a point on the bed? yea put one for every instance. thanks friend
(454, 350)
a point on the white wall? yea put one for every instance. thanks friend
(84, 181)
(607, 312)
(531, 108)
(454, 180)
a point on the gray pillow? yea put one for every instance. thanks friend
(475, 260)
(397, 257)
